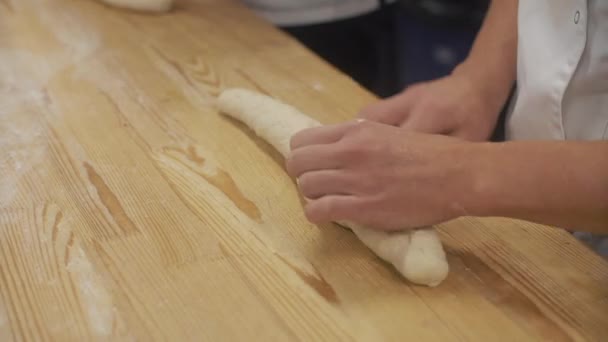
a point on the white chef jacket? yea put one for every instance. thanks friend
(305, 12)
(562, 71)
(562, 76)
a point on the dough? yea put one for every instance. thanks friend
(142, 5)
(417, 254)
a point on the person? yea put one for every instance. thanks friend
(356, 36)
(422, 157)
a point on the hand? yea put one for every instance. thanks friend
(453, 105)
(379, 175)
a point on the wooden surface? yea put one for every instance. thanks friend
(131, 210)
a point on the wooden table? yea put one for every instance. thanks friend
(130, 209)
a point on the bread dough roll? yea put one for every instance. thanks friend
(417, 254)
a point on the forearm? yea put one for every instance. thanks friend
(492, 61)
(563, 184)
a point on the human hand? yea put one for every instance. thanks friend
(453, 105)
(379, 175)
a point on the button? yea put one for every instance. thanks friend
(577, 17)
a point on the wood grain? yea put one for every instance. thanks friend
(131, 210)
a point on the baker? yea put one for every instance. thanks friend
(422, 157)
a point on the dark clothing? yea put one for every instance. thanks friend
(363, 47)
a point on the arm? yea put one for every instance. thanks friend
(563, 184)
(385, 177)
(492, 61)
(467, 103)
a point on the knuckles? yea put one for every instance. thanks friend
(360, 142)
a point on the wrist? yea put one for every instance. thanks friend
(467, 182)
(483, 178)
(491, 84)
(504, 180)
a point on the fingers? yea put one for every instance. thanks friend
(391, 111)
(316, 184)
(319, 135)
(428, 119)
(315, 149)
(422, 125)
(331, 208)
(312, 158)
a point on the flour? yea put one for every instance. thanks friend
(24, 101)
(96, 300)
(318, 86)
(78, 37)
(23, 151)
(3, 318)
(5, 331)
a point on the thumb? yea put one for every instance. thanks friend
(423, 121)
(391, 111)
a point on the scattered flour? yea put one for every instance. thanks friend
(3, 317)
(26, 111)
(5, 331)
(24, 77)
(96, 300)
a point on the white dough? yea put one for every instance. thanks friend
(142, 5)
(417, 254)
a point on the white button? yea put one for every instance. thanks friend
(577, 17)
